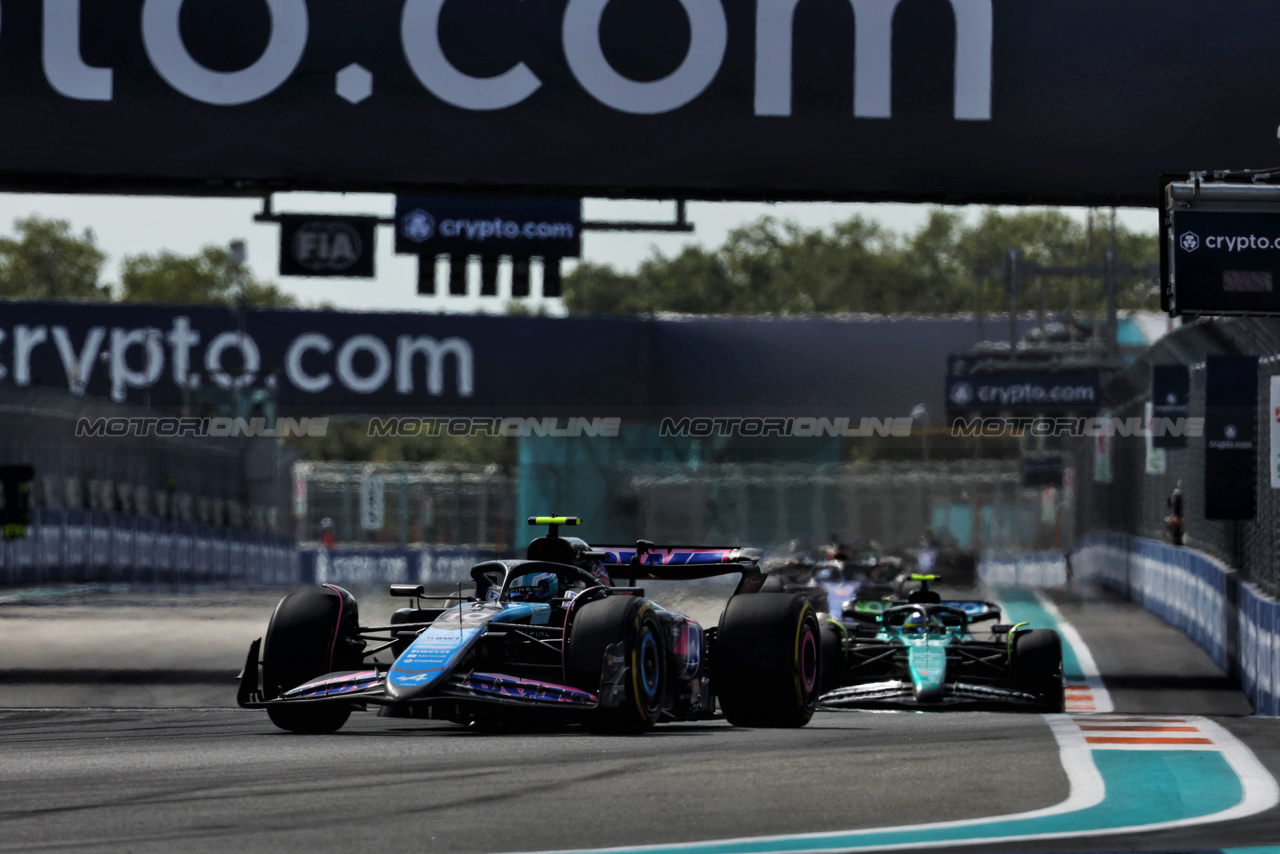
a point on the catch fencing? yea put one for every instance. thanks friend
(402, 503)
(1137, 499)
(1220, 586)
(979, 503)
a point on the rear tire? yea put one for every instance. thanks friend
(631, 621)
(1037, 667)
(313, 632)
(767, 667)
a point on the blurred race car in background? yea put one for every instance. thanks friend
(938, 552)
(837, 574)
(546, 638)
(921, 653)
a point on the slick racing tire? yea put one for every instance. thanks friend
(831, 647)
(767, 665)
(1037, 667)
(312, 632)
(631, 621)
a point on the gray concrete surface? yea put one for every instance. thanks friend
(225, 779)
(152, 781)
(1148, 666)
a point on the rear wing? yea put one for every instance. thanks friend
(679, 563)
(976, 610)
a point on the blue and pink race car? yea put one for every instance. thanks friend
(552, 637)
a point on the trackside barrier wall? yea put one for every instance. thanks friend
(1235, 623)
(1022, 569)
(100, 546)
(430, 565)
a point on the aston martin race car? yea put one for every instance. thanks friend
(921, 653)
(547, 638)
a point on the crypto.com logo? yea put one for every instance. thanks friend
(961, 394)
(1190, 241)
(426, 54)
(419, 226)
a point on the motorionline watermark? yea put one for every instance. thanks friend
(1077, 427)
(202, 428)
(799, 427)
(509, 427)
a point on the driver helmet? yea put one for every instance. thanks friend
(535, 587)
(919, 624)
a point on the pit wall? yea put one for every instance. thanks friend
(1231, 620)
(1022, 569)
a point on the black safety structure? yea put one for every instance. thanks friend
(1073, 101)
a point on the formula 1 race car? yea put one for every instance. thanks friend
(841, 574)
(938, 554)
(921, 654)
(548, 637)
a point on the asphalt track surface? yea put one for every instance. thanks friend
(159, 779)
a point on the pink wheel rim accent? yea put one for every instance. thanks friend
(809, 661)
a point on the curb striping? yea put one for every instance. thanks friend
(1119, 782)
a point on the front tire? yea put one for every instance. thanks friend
(312, 632)
(630, 621)
(768, 660)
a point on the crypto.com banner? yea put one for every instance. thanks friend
(1024, 393)
(872, 372)
(946, 100)
(318, 361)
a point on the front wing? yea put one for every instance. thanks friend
(368, 687)
(977, 680)
(899, 694)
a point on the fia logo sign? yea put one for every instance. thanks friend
(327, 246)
(320, 245)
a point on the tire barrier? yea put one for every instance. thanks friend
(1022, 569)
(1232, 621)
(116, 548)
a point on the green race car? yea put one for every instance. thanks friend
(921, 653)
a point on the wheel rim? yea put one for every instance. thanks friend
(650, 667)
(808, 662)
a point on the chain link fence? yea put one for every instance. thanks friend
(1138, 502)
(401, 503)
(980, 503)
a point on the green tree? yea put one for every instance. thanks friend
(46, 260)
(208, 277)
(772, 267)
